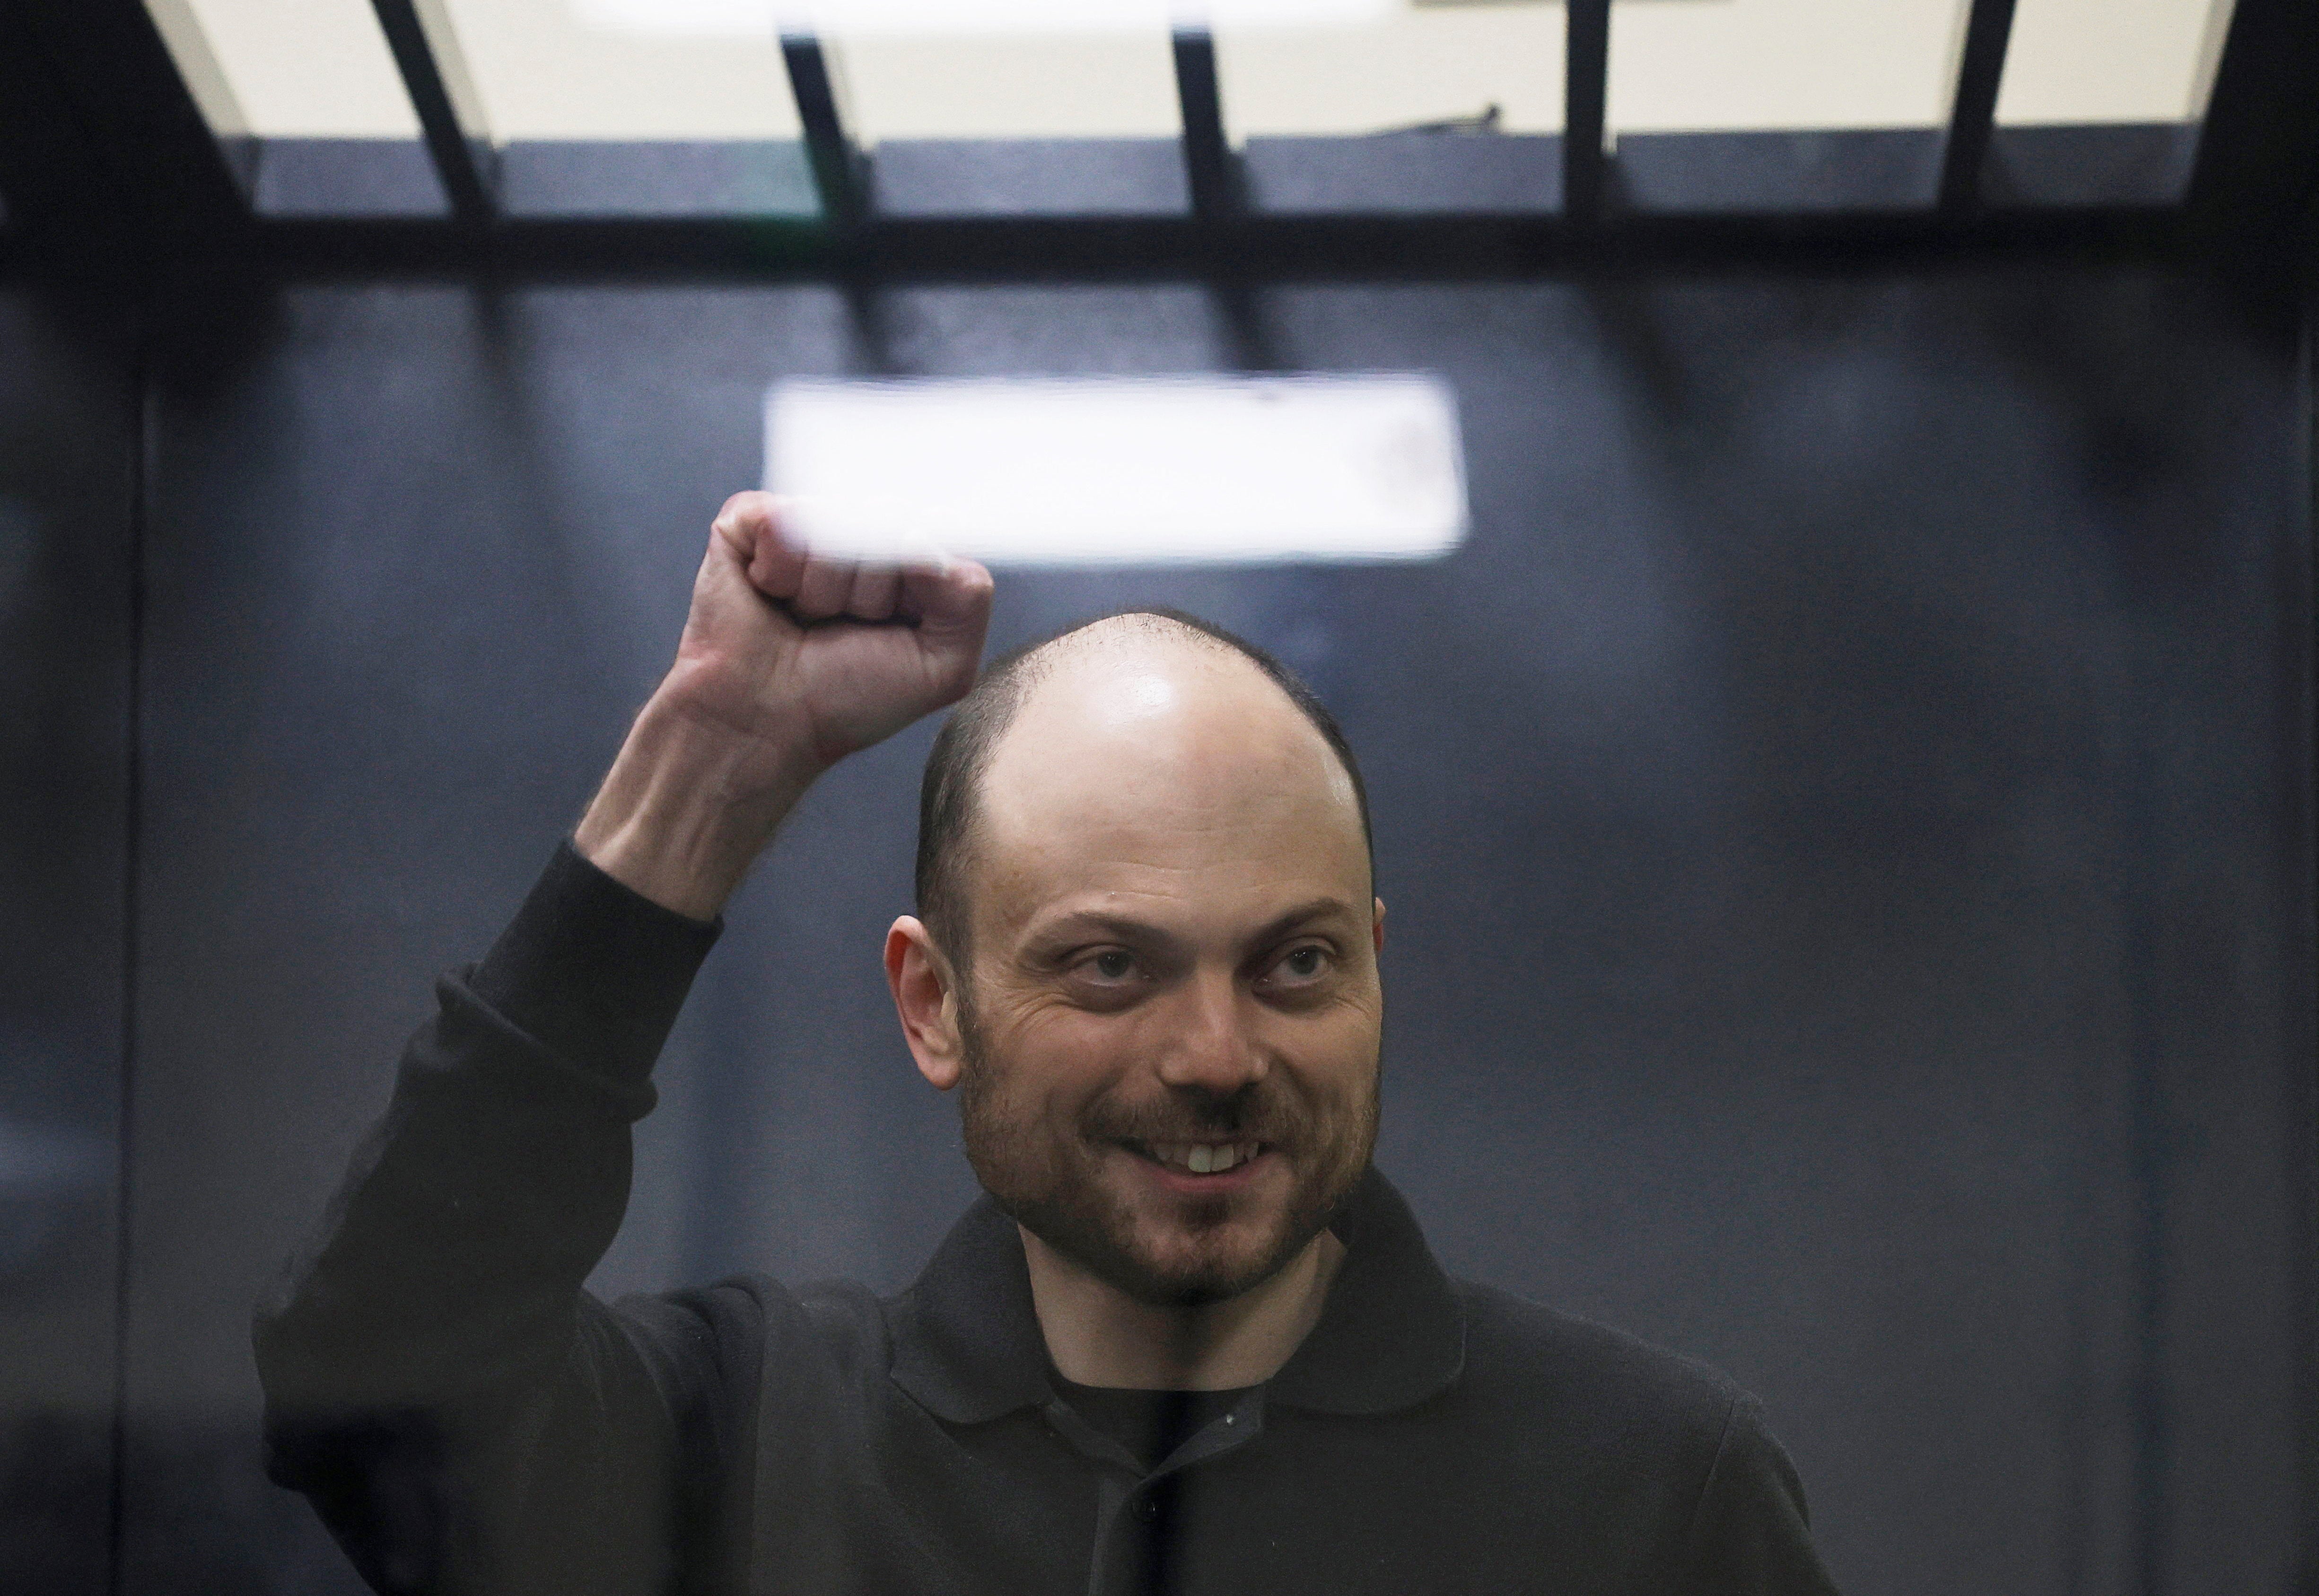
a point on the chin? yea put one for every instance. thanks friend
(1192, 1275)
(1172, 1261)
(1175, 1282)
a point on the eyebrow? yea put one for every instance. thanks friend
(1127, 928)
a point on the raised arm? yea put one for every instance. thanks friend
(463, 1416)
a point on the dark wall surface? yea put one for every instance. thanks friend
(68, 456)
(1838, 813)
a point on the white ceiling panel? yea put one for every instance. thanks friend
(710, 69)
(2111, 60)
(295, 68)
(544, 72)
(1108, 85)
(1416, 64)
(1681, 65)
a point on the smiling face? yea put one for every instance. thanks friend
(1167, 1038)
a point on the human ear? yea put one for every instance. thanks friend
(921, 981)
(1376, 923)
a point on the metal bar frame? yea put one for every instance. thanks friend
(463, 160)
(1210, 172)
(2257, 170)
(1585, 107)
(107, 159)
(838, 174)
(154, 157)
(1973, 112)
(1252, 246)
(51, 174)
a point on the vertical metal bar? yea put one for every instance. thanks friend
(1586, 76)
(51, 170)
(2299, 840)
(1209, 171)
(1973, 115)
(99, 137)
(2258, 163)
(133, 870)
(205, 80)
(462, 161)
(837, 168)
(2150, 1162)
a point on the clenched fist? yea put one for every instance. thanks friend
(788, 663)
(820, 657)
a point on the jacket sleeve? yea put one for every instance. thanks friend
(1752, 1533)
(463, 1415)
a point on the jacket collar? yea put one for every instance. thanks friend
(967, 1346)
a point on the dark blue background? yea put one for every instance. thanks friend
(1844, 818)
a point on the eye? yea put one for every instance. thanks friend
(1113, 964)
(1299, 965)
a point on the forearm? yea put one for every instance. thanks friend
(689, 804)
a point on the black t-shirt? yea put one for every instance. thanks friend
(1151, 1424)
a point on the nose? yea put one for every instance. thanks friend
(1213, 1046)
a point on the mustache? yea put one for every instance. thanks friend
(1252, 1115)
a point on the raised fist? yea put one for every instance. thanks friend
(788, 663)
(821, 657)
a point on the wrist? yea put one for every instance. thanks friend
(689, 804)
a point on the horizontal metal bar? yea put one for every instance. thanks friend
(1254, 248)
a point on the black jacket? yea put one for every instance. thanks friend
(467, 1418)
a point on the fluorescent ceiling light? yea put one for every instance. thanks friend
(758, 19)
(1118, 471)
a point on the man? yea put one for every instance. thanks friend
(1189, 1342)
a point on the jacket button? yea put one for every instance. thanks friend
(1147, 1509)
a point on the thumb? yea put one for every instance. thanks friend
(728, 602)
(950, 603)
(753, 527)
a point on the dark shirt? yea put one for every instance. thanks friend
(1147, 1425)
(467, 1418)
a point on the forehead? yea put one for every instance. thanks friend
(1162, 767)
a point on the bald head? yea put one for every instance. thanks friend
(1135, 719)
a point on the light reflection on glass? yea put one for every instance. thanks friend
(1103, 471)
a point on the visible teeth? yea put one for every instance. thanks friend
(1204, 1157)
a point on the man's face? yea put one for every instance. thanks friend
(1171, 1021)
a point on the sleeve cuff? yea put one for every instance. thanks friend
(593, 970)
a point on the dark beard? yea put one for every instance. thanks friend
(1072, 1212)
